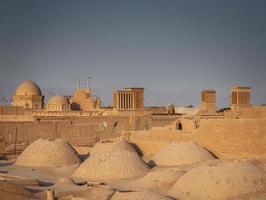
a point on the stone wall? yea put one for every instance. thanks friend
(247, 113)
(226, 138)
(230, 138)
(153, 140)
(161, 121)
(11, 110)
(78, 131)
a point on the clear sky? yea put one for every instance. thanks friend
(173, 48)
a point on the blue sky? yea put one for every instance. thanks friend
(172, 48)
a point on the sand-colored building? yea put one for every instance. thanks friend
(208, 102)
(189, 111)
(28, 95)
(240, 97)
(58, 103)
(11, 110)
(84, 101)
(129, 99)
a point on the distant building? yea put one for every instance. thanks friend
(170, 109)
(28, 95)
(84, 101)
(208, 102)
(11, 110)
(128, 99)
(240, 97)
(190, 111)
(58, 103)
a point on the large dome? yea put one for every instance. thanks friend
(182, 153)
(224, 180)
(28, 87)
(112, 145)
(48, 153)
(58, 100)
(111, 165)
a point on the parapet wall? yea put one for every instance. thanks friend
(230, 138)
(247, 113)
(226, 138)
(161, 121)
(79, 132)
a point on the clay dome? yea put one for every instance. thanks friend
(159, 180)
(182, 153)
(220, 181)
(58, 100)
(28, 87)
(115, 165)
(58, 103)
(47, 153)
(112, 145)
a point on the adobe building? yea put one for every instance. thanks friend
(58, 103)
(208, 102)
(28, 95)
(240, 97)
(11, 110)
(170, 109)
(84, 101)
(129, 99)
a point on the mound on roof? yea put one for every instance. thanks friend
(220, 181)
(180, 154)
(111, 165)
(112, 145)
(47, 153)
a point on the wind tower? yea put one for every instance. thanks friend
(208, 102)
(240, 97)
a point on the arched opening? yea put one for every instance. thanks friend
(75, 106)
(179, 126)
(27, 105)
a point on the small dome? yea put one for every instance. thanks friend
(58, 100)
(28, 87)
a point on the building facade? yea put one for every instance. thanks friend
(58, 103)
(240, 97)
(28, 95)
(128, 99)
(208, 102)
(84, 101)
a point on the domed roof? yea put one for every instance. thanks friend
(181, 153)
(28, 87)
(223, 180)
(112, 145)
(58, 100)
(111, 165)
(48, 153)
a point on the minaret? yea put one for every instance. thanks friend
(78, 85)
(89, 83)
